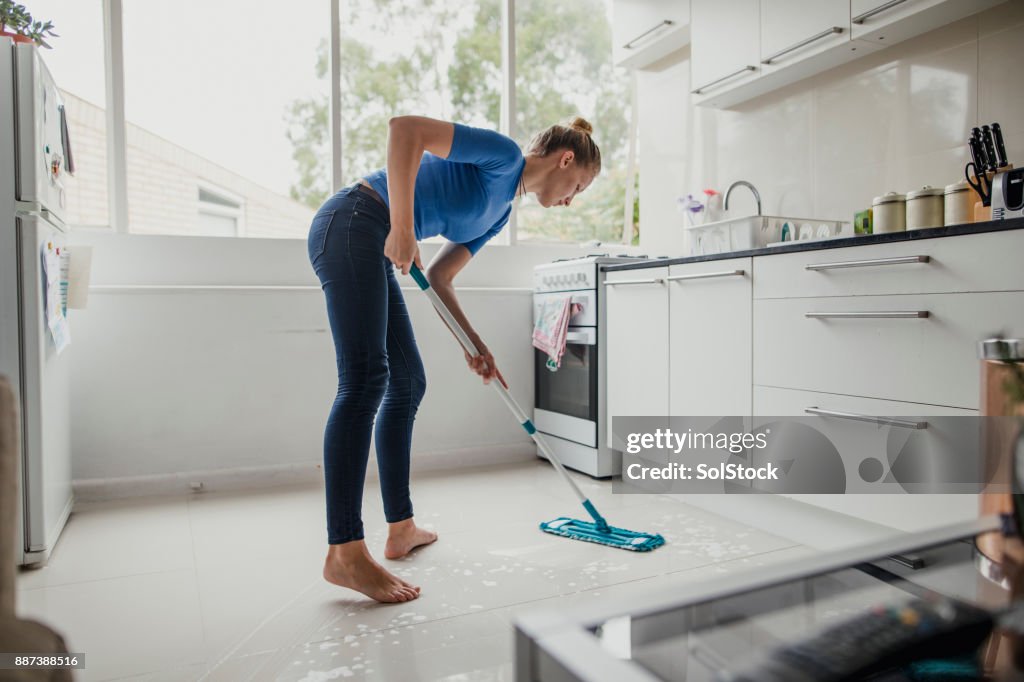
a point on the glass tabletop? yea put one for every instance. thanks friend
(702, 639)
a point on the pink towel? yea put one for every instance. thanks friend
(552, 326)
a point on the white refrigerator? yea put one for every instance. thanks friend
(35, 160)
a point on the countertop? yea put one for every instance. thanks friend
(860, 240)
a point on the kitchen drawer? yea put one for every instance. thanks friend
(905, 512)
(931, 360)
(987, 261)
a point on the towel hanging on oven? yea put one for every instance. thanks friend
(552, 326)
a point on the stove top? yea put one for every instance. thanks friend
(602, 256)
(576, 273)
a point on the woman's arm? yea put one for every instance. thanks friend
(408, 138)
(450, 259)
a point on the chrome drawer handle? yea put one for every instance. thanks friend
(656, 280)
(662, 24)
(859, 19)
(897, 260)
(803, 43)
(870, 314)
(704, 87)
(889, 421)
(707, 275)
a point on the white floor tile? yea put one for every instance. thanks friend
(117, 539)
(125, 626)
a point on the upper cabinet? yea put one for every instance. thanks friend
(745, 48)
(644, 31)
(891, 21)
(792, 30)
(725, 45)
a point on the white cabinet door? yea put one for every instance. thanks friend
(890, 21)
(793, 30)
(710, 338)
(644, 31)
(725, 46)
(637, 339)
(906, 512)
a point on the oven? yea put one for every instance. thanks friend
(570, 402)
(566, 400)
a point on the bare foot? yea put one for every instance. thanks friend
(404, 536)
(350, 565)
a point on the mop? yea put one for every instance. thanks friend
(597, 531)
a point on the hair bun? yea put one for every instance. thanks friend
(582, 125)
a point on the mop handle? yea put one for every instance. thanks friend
(524, 421)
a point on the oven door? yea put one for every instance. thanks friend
(566, 399)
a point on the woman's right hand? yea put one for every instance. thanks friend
(401, 249)
(483, 363)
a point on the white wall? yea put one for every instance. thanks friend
(894, 120)
(233, 386)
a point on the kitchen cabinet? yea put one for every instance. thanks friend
(920, 348)
(638, 343)
(744, 49)
(906, 512)
(792, 30)
(709, 338)
(832, 328)
(725, 46)
(644, 31)
(891, 21)
(986, 261)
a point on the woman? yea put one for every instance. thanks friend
(441, 178)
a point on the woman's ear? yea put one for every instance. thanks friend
(567, 158)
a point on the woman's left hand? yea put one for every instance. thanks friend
(484, 365)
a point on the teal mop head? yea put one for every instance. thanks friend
(603, 534)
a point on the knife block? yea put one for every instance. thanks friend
(983, 213)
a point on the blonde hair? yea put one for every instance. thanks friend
(576, 136)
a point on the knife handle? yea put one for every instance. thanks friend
(975, 146)
(997, 137)
(979, 147)
(990, 148)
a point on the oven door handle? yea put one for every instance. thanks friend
(585, 337)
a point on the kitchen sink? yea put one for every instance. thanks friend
(758, 231)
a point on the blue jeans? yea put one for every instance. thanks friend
(379, 367)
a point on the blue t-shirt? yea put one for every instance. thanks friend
(467, 197)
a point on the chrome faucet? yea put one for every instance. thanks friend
(753, 189)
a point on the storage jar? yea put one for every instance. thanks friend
(889, 213)
(924, 208)
(958, 203)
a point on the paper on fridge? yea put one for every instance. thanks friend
(53, 305)
(76, 267)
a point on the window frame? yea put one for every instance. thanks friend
(113, 60)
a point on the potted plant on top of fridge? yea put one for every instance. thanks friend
(18, 24)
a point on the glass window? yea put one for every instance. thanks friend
(440, 59)
(214, 94)
(76, 63)
(564, 69)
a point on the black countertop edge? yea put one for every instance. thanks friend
(860, 240)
